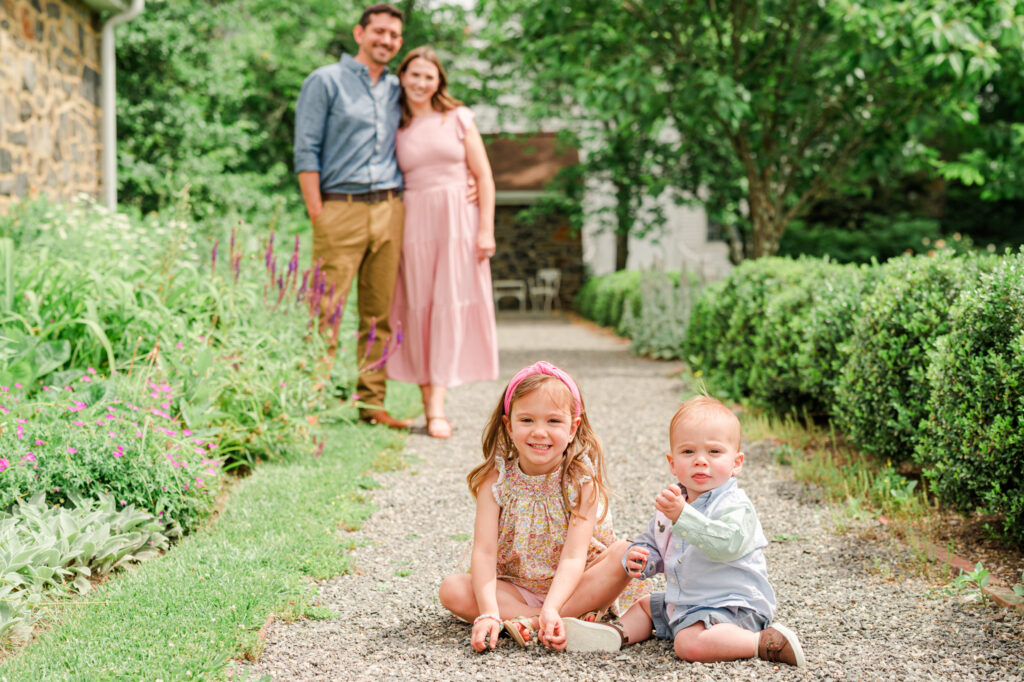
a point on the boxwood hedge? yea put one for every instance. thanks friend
(882, 391)
(971, 442)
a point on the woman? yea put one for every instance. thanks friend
(443, 295)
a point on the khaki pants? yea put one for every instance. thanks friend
(365, 239)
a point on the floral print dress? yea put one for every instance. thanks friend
(532, 525)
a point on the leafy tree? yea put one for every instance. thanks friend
(617, 120)
(775, 102)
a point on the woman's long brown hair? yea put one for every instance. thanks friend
(497, 444)
(441, 100)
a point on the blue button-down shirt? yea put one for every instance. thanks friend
(713, 554)
(345, 128)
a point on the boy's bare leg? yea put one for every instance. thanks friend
(636, 622)
(720, 642)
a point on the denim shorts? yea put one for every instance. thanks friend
(682, 617)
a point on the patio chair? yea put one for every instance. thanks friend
(544, 289)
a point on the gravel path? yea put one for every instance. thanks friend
(859, 613)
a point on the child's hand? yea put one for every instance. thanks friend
(485, 634)
(670, 502)
(552, 630)
(636, 560)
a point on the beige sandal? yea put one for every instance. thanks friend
(439, 427)
(520, 629)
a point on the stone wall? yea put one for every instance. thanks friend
(50, 112)
(523, 248)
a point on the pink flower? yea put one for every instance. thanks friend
(119, 452)
(4, 410)
(40, 442)
(79, 406)
(4, 464)
(72, 450)
(20, 431)
(4, 389)
(21, 420)
(179, 345)
(158, 413)
(28, 457)
(17, 385)
(87, 379)
(78, 423)
(91, 371)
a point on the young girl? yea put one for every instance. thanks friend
(543, 546)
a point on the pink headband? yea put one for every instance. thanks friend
(543, 367)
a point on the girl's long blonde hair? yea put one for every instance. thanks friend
(497, 444)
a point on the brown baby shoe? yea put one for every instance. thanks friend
(779, 644)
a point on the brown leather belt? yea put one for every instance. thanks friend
(366, 197)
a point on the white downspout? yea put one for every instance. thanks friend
(109, 133)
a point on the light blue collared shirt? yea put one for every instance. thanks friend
(345, 128)
(713, 555)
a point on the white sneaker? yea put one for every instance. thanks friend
(581, 635)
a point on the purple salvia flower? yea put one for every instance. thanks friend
(336, 315)
(213, 256)
(293, 264)
(302, 289)
(280, 291)
(234, 230)
(270, 249)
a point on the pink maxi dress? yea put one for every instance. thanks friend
(443, 293)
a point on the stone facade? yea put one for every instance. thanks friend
(50, 114)
(525, 247)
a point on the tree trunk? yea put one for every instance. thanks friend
(623, 223)
(765, 223)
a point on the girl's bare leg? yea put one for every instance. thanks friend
(456, 595)
(720, 642)
(602, 582)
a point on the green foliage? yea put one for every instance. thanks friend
(972, 442)
(206, 96)
(602, 299)
(199, 609)
(656, 326)
(882, 392)
(45, 549)
(879, 238)
(798, 333)
(729, 316)
(169, 353)
(773, 102)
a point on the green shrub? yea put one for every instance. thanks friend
(882, 392)
(796, 342)
(829, 323)
(601, 299)
(972, 444)
(656, 326)
(727, 318)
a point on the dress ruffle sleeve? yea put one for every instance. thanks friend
(463, 117)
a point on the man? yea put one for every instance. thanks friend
(346, 118)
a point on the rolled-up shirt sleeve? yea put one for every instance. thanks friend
(310, 124)
(732, 535)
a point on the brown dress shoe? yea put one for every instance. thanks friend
(779, 644)
(382, 417)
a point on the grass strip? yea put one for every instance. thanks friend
(189, 613)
